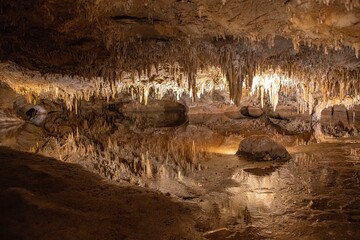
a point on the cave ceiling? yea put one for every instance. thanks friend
(103, 38)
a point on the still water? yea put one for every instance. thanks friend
(316, 195)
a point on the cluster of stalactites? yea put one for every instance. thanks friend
(269, 83)
(239, 62)
(157, 81)
(343, 89)
(133, 52)
(239, 69)
(311, 91)
(339, 40)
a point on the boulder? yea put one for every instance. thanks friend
(262, 148)
(253, 112)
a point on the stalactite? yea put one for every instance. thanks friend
(146, 94)
(238, 66)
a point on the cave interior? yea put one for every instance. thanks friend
(122, 119)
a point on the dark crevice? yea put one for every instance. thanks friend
(159, 39)
(82, 41)
(134, 19)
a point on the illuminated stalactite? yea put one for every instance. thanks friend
(237, 69)
(270, 84)
(169, 80)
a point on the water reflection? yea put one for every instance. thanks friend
(316, 195)
(313, 196)
(157, 119)
(24, 137)
(15, 132)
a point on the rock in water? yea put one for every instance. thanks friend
(252, 112)
(262, 148)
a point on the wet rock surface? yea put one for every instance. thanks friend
(262, 148)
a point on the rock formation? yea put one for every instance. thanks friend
(121, 87)
(73, 50)
(262, 148)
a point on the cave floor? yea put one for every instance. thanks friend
(42, 198)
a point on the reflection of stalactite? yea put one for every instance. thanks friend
(247, 216)
(124, 156)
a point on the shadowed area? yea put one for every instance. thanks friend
(41, 198)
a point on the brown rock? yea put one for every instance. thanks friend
(253, 112)
(262, 148)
